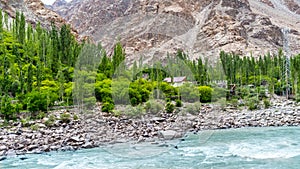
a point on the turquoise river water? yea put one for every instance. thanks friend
(265, 148)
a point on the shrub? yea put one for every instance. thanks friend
(169, 90)
(170, 107)
(133, 101)
(25, 122)
(218, 93)
(223, 103)
(7, 109)
(89, 102)
(40, 101)
(65, 117)
(205, 94)
(262, 92)
(267, 103)
(50, 121)
(75, 117)
(188, 93)
(135, 111)
(117, 113)
(243, 91)
(253, 103)
(178, 103)
(34, 127)
(234, 102)
(103, 90)
(154, 106)
(107, 107)
(193, 108)
(41, 115)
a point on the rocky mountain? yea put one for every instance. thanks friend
(199, 27)
(34, 11)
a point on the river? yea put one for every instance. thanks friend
(271, 147)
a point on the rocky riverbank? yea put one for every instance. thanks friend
(97, 128)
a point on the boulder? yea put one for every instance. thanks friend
(168, 134)
(3, 147)
(32, 147)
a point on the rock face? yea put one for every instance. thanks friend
(34, 11)
(200, 27)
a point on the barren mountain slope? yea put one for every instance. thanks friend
(200, 27)
(34, 11)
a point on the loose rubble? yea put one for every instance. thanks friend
(97, 128)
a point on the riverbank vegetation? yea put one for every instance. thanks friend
(44, 68)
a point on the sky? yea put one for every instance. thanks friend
(50, 2)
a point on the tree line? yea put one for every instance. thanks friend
(41, 68)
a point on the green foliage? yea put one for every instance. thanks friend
(193, 108)
(170, 107)
(65, 117)
(218, 93)
(178, 103)
(39, 101)
(103, 90)
(253, 103)
(223, 103)
(8, 109)
(136, 111)
(41, 115)
(30, 60)
(154, 106)
(37, 67)
(188, 93)
(205, 94)
(267, 103)
(50, 121)
(107, 107)
(75, 117)
(34, 127)
(139, 91)
(117, 113)
(234, 102)
(169, 90)
(25, 122)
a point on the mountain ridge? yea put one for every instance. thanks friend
(154, 28)
(35, 12)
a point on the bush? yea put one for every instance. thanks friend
(107, 107)
(253, 103)
(50, 121)
(7, 109)
(243, 91)
(205, 94)
(89, 102)
(34, 127)
(117, 113)
(267, 103)
(178, 103)
(65, 117)
(25, 122)
(218, 93)
(234, 102)
(154, 106)
(170, 107)
(41, 115)
(193, 108)
(188, 93)
(169, 90)
(40, 101)
(223, 103)
(75, 117)
(135, 111)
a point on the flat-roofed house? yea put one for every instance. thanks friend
(176, 81)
